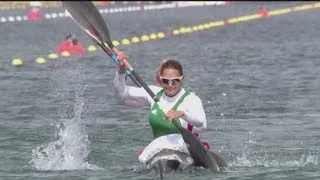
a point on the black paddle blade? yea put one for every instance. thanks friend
(94, 17)
(198, 152)
(75, 9)
(221, 163)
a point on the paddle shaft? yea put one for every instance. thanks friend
(90, 20)
(115, 60)
(93, 34)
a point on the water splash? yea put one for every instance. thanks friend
(70, 150)
(273, 157)
(310, 158)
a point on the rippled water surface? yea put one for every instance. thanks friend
(258, 80)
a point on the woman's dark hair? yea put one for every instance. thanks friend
(74, 41)
(171, 64)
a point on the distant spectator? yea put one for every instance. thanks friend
(263, 12)
(76, 48)
(35, 14)
(65, 44)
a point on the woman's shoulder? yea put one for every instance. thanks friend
(155, 89)
(192, 96)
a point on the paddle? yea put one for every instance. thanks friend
(80, 19)
(86, 15)
(198, 152)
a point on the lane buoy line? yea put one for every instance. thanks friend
(121, 10)
(179, 31)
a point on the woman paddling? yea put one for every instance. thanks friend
(174, 103)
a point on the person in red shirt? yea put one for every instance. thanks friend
(263, 12)
(76, 48)
(104, 3)
(65, 44)
(35, 14)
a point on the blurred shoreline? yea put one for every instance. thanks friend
(8, 5)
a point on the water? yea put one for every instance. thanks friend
(258, 80)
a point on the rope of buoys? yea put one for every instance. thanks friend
(184, 30)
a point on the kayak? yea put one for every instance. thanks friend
(170, 152)
(164, 149)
